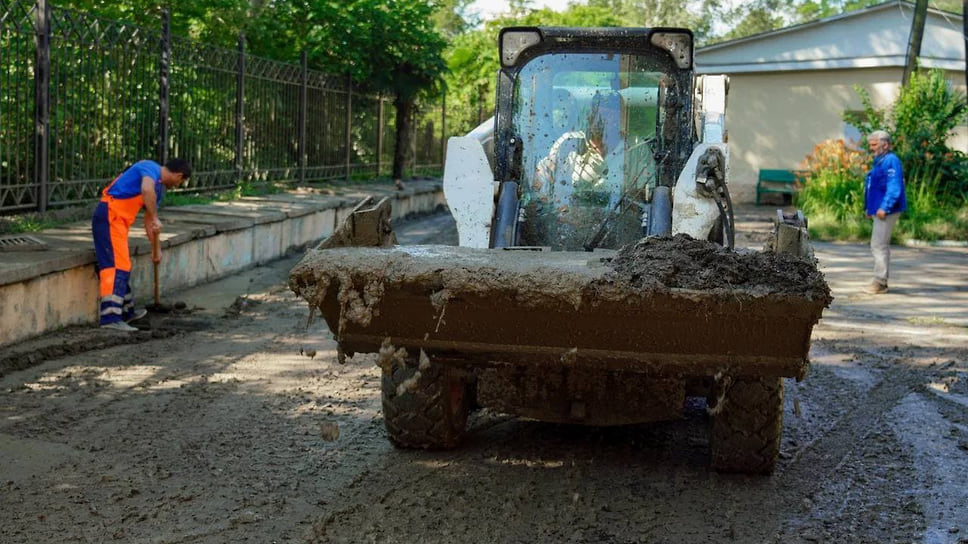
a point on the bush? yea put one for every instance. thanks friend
(933, 213)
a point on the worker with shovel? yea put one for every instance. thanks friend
(141, 186)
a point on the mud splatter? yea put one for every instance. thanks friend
(389, 355)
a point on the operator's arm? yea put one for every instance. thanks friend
(893, 187)
(152, 223)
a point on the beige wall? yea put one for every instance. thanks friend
(775, 119)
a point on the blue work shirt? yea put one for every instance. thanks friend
(884, 188)
(128, 184)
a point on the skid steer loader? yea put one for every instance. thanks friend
(595, 282)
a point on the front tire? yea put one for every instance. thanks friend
(748, 425)
(424, 408)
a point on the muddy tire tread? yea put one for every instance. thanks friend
(747, 431)
(422, 417)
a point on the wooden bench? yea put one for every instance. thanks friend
(782, 182)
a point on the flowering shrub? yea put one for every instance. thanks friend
(833, 180)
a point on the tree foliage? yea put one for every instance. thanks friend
(472, 57)
(697, 15)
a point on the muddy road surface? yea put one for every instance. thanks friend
(232, 421)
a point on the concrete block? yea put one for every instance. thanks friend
(50, 301)
(267, 242)
(227, 253)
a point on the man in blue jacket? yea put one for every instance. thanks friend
(883, 202)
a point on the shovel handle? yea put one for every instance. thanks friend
(155, 248)
(155, 258)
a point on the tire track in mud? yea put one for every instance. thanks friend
(759, 515)
(127, 439)
(853, 441)
(409, 480)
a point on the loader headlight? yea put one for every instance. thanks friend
(514, 41)
(678, 44)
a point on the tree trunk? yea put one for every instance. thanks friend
(964, 34)
(914, 45)
(401, 149)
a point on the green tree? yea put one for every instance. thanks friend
(756, 17)
(809, 10)
(405, 58)
(389, 46)
(212, 21)
(696, 15)
(472, 57)
(452, 19)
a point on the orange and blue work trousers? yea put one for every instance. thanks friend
(111, 223)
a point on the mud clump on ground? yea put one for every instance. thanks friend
(70, 342)
(686, 263)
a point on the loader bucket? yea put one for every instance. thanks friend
(674, 306)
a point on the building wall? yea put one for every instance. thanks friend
(775, 119)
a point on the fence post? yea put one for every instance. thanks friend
(379, 134)
(239, 109)
(42, 104)
(163, 89)
(303, 97)
(349, 126)
(443, 128)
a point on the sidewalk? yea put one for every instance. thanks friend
(56, 285)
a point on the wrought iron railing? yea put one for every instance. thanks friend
(82, 97)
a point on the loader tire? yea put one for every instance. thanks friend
(717, 234)
(747, 426)
(429, 412)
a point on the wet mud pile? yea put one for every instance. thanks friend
(683, 262)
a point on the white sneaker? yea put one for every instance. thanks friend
(119, 326)
(138, 314)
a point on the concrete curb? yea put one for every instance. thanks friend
(44, 290)
(936, 243)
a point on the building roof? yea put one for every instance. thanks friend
(872, 37)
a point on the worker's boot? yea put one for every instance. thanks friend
(119, 326)
(877, 288)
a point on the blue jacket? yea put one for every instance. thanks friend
(884, 189)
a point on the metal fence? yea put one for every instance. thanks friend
(82, 97)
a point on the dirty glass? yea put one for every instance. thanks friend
(588, 124)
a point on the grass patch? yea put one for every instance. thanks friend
(22, 224)
(933, 320)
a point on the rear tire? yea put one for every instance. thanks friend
(747, 427)
(424, 408)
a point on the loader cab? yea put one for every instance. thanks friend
(589, 123)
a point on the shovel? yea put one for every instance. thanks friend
(155, 261)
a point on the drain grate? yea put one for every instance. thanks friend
(21, 242)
